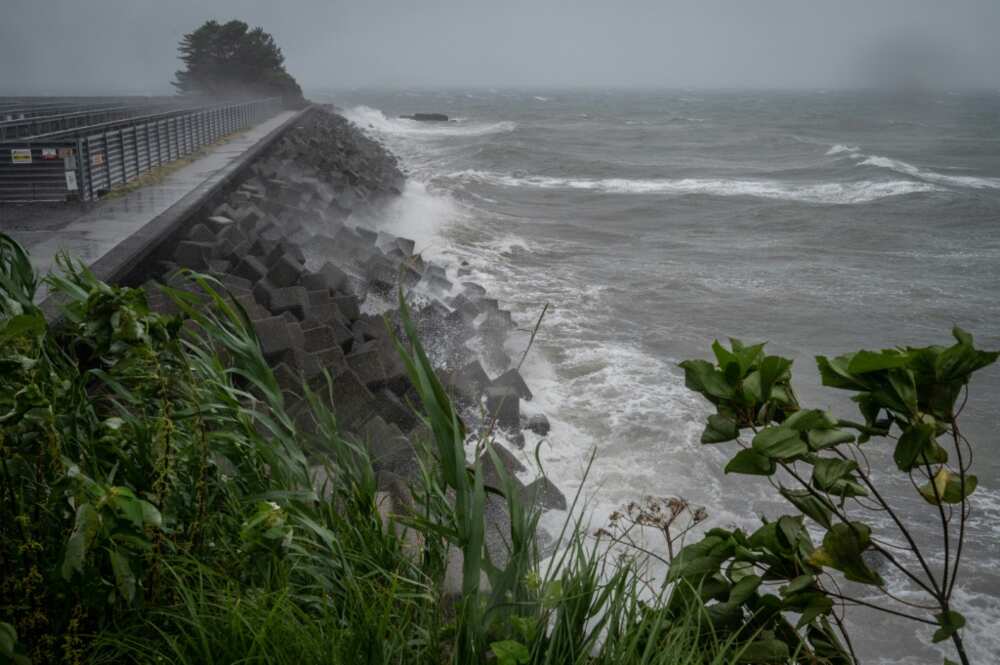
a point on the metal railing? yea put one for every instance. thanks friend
(99, 158)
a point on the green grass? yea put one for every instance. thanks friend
(157, 507)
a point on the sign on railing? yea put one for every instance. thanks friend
(99, 159)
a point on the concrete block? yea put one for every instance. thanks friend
(285, 271)
(470, 381)
(274, 335)
(201, 233)
(365, 362)
(503, 404)
(390, 408)
(250, 268)
(349, 307)
(193, 255)
(543, 493)
(367, 235)
(381, 274)
(219, 223)
(513, 379)
(291, 299)
(319, 338)
(328, 276)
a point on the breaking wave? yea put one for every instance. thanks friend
(841, 148)
(930, 176)
(373, 119)
(833, 193)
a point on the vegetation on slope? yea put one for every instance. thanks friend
(158, 504)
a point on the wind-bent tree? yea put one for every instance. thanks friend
(231, 59)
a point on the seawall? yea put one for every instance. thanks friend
(279, 233)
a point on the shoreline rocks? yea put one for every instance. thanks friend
(319, 289)
(426, 117)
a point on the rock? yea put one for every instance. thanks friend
(538, 424)
(285, 271)
(503, 404)
(348, 305)
(193, 255)
(512, 379)
(201, 233)
(275, 336)
(426, 117)
(469, 382)
(543, 494)
(250, 268)
(219, 222)
(365, 362)
(327, 277)
(510, 464)
(292, 299)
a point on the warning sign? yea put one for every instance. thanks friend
(97, 159)
(71, 181)
(49, 153)
(20, 155)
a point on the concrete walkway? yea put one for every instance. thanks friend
(89, 232)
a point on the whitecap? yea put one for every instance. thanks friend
(906, 168)
(834, 193)
(368, 118)
(840, 148)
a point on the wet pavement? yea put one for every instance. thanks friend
(89, 231)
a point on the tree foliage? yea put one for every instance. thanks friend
(826, 468)
(231, 59)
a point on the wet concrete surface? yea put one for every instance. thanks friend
(89, 231)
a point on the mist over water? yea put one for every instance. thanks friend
(653, 223)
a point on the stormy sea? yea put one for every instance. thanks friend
(652, 223)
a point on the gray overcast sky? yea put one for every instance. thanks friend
(129, 46)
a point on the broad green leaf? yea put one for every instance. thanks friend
(811, 506)
(87, 524)
(780, 443)
(772, 370)
(510, 652)
(8, 638)
(811, 605)
(719, 429)
(950, 623)
(800, 583)
(842, 548)
(765, 651)
(828, 438)
(864, 362)
(834, 373)
(828, 470)
(751, 463)
(702, 377)
(150, 515)
(915, 441)
(949, 487)
(808, 419)
(124, 577)
(957, 362)
(743, 589)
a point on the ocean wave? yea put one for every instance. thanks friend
(370, 118)
(906, 168)
(830, 193)
(840, 148)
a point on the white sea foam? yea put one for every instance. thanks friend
(421, 215)
(373, 119)
(906, 168)
(841, 148)
(829, 192)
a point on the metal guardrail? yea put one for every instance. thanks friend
(96, 160)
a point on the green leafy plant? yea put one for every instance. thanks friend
(822, 466)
